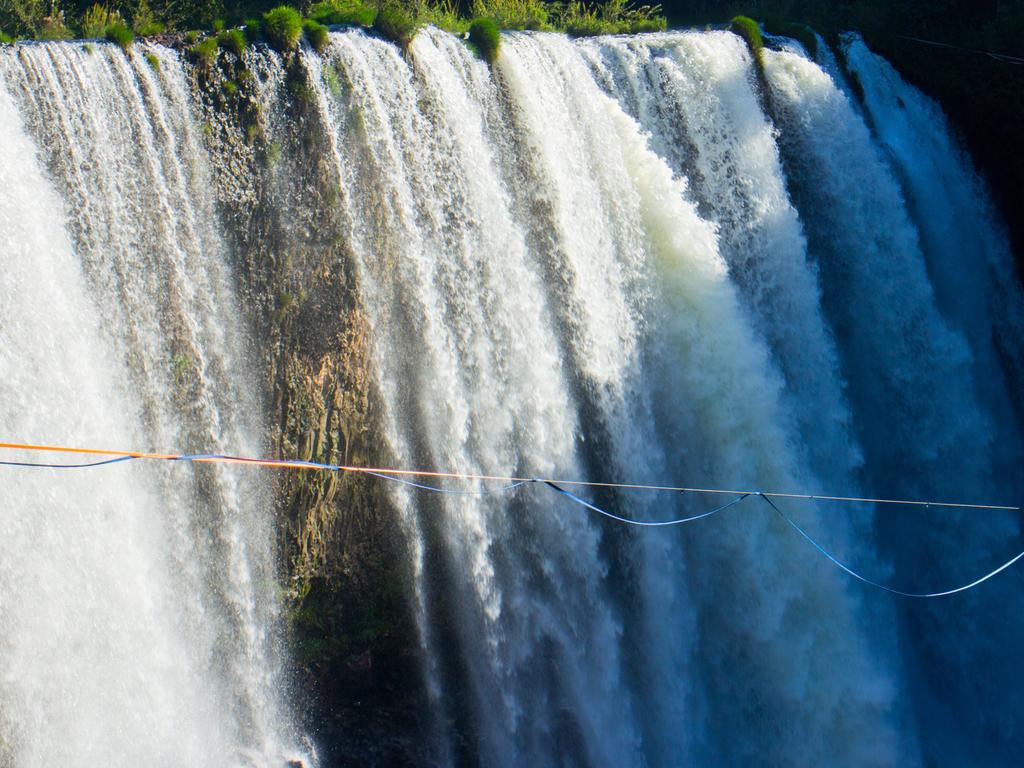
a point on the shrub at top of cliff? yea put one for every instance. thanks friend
(749, 30)
(343, 12)
(316, 34)
(96, 19)
(282, 27)
(396, 23)
(120, 34)
(513, 14)
(613, 17)
(143, 22)
(444, 14)
(484, 34)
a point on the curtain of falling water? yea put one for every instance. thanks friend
(118, 140)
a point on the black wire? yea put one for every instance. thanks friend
(66, 466)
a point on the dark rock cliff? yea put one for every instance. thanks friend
(343, 563)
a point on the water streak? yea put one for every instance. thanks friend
(923, 419)
(119, 140)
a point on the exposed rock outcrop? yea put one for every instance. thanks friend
(341, 549)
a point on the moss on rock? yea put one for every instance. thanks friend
(484, 34)
(282, 26)
(317, 35)
(204, 53)
(120, 34)
(396, 23)
(750, 31)
(233, 40)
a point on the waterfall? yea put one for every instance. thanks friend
(526, 257)
(927, 390)
(696, 96)
(150, 636)
(870, 260)
(965, 247)
(453, 327)
(633, 259)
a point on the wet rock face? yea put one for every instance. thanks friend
(342, 557)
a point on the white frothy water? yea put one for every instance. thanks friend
(454, 327)
(908, 364)
(927, 399)
(965, 246)
(695, 94)
(524, 258)
(92, 641)
(717, 407)
(160, 320)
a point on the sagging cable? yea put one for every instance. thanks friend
(400, 475)
(837, 562)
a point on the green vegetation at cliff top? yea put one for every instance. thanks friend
(750, 31)
(283, 26)
(483, 33)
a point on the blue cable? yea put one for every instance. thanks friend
(436, 489)
(866, 580)
(642, 523)
(562, 491)
(572, 496)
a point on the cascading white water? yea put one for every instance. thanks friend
(929, 399)
(966, 250)
(525, 257)
(691, 375)
(695, 94)
(147, 276)
(92, 641)
(870, 261)
(825, 58)
(453, 329)
(593, 259)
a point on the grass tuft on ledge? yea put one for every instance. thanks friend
(750, 31)
(120, 33)
(514, 14)
(484, 35)
(317, 35)
(282, 26)
(233, 40)
(612, 17)
(204, 53)
(397, 23)
(351, 12)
